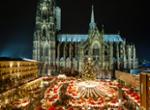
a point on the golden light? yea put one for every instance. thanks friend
(11, 64)
(18, 64)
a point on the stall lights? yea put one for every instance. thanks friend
(18, 64)
(42, 84)
(11, 64)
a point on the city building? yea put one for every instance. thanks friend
(18, 81)
(145, 91)
(109, 51)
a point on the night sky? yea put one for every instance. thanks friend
(130, 17)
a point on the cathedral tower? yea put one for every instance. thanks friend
(47, 24)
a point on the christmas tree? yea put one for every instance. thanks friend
(89, 70)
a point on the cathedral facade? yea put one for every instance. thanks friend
(70, 50)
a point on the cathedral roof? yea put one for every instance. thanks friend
(84, 37)
(72, 37)
(112, 38)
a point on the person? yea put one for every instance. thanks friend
(52, 108)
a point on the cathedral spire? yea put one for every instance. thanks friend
(92, 15)
(92, 23)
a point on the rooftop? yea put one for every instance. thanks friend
(84, 37)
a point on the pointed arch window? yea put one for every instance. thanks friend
(96, 50)
(44, 32)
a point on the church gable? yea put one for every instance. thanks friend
(95, 35)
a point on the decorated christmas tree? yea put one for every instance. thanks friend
(89, 70)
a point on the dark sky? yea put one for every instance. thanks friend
(130, 17)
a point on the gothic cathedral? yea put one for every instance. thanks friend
(69, 50)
